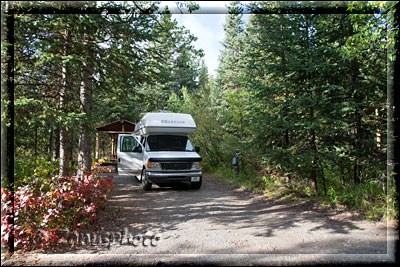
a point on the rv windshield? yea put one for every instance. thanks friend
(168, 143)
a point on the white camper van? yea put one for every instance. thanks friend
(160, 151)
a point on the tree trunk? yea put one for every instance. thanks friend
(64, 136)
(314, 164)
(314, 183)
(35, 143)
(64, 152)
(321, 169)
(84, 155)
(378, 131)
(50, 145)
(97, 151)
(357, 166)
(7, 115)
(341, 172)
(356, 173)
(357, 120)
(55, 145)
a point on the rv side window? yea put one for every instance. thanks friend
(128, 143)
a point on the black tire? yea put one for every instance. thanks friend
(146, 185)
(196, 185)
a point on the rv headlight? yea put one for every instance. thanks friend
(197, 165)
(153, 165)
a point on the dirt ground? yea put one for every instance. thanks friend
(219, 225)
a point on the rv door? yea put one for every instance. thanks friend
(129, 155)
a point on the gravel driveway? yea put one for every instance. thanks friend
(219, 224)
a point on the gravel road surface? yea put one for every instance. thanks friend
(221, 225)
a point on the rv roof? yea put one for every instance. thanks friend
(170, 123)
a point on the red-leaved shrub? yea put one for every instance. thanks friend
(45, 208)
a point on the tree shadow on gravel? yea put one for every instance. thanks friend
(163, 208)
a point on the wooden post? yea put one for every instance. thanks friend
(112, 144)
(97, 146)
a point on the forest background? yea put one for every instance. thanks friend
(305, 97)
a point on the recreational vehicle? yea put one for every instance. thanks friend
(160, 152)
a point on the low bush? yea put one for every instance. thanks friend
(45, 208)
(28, 168)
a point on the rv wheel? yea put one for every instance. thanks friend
(146, 185)
(196, 185)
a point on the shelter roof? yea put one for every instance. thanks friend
(120, 126)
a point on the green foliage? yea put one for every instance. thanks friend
(304, 94)
(130, 63)
(27, 169)
(209, 134)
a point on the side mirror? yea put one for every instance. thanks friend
(137, 149)
(197, 149)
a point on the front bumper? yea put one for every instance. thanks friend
(168, 177)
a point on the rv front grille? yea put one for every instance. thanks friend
(176, 166)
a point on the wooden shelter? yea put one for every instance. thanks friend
(113, 129)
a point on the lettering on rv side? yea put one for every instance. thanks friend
(171, 121)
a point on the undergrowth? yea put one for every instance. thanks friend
(366, 198)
